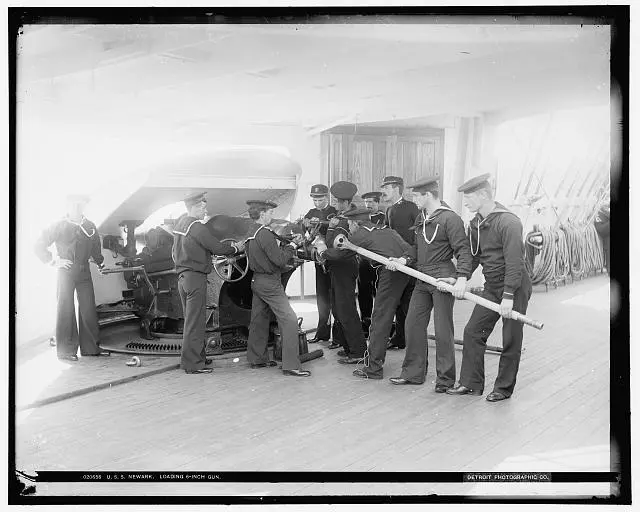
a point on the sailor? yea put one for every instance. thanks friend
(401, 216)
(390, 285)
(268, 261)
(495, 236)
(343, 266)
(192, 251)
(439, 236)
(77, 240)
(366, 271)
(372, 203)
(317, 221)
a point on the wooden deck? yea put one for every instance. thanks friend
(239, 419)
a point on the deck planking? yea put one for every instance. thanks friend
(243, 419)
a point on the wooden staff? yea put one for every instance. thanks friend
(341, 242)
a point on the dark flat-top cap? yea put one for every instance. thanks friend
(343, 190)
(319, 190)
(372, 195)
(195, 198)
(261, 203)
(475, 183)
(429, 183)
(392, 180)
(357, 214)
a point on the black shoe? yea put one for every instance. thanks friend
(201, 370)
(333, 345)
(392, 346)
(297, 373)
(342, 353)
(263, 365)
(399, 381)
(365, 375)
(496, 396)
(350, 360)
(463, 390)
(441, 388)
(316, 340)
(68, 358)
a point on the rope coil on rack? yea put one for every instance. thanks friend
(569, 251)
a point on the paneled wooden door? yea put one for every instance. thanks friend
(418, 158)
(365, 159)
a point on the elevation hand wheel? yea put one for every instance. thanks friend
(231, 268)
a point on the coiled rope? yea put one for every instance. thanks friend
(569, 251)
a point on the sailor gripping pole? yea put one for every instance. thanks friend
(341, 242)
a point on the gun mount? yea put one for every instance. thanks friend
(152, 288)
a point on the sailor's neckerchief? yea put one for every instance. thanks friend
(479, 220)
(425, 219)
(79, 224)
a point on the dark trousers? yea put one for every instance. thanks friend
(269, 295)
(424, 299)
(401, 312)
(347, 327)
(366, 289)
(323, 300)
(192, 287)
(85, 332)
(478, 330)
(391, 286)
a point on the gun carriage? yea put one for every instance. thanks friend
(140, 283)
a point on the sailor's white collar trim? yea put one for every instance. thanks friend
(372, 228)
(441, 207)
(79, 224)
(185, 233)
(74, 222)
(262, 226)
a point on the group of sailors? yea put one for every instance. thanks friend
(424, 233)
(428, 235)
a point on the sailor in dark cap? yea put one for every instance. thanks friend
(317, 221)
(372, 203)
(390, 285)
(439, 236)
(268, 261)
(495, 236)
(343, 266)
(400, 216)
(193, 248)
(366, 271)
(77, 240)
